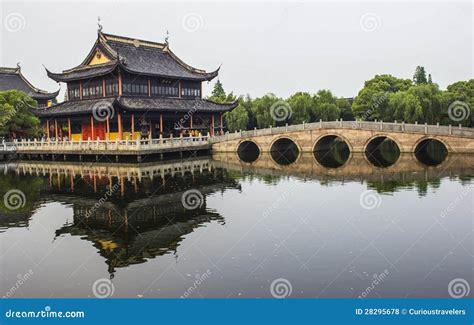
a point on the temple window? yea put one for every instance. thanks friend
(190, 89)
(164, 87)
(73, 91)
(111, 86)
(92, 89)
(135, 86)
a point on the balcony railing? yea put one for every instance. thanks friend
(88, 146)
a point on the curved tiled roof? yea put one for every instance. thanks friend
(135, 56)
(137, 104)
(88, 71)
(13, 79)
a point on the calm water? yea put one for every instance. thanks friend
(219, 227)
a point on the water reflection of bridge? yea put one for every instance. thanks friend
(357, 167)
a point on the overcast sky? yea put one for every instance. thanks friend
(264, 47)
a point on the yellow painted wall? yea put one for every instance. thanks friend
(98, 58)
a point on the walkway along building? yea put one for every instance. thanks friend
(132, 89)
(13, 79)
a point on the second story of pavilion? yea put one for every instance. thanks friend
(122, 66)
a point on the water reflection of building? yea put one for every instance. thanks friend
(130, 213)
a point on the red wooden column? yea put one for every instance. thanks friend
(133, 126)
(92, 128)
(120, 83)
(212, 125)
(56, 128)
(69, 129)
(161, 123)
(120, 130)
(108, 126)
(222, 125)
(47, 129)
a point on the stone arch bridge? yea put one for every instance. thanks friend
(358, 135)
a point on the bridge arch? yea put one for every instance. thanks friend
(332, 150)
(284, 150)
(248, 150)
(431, 151)
(382, 150)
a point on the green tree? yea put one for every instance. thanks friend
(325, 107)
(345, 109)
(405, 107)
(218, 94)
(301, 105)
(263, 107)
(372, 100)
(17, 119)
(462, 91)
(420, 76)
(238, 118)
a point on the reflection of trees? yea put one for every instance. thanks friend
(390, 186)
(30, 186)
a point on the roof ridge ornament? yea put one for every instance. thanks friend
(18, 66)
(99, 26)
(167, 38)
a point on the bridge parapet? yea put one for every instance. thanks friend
(357, 135)
(353, 125)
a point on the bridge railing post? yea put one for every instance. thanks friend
(403, 126)
(320, 123)
(450, 129)
(426, 128)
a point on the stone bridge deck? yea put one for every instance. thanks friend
(357, 135)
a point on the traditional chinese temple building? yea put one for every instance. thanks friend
(130, 89)
(13, 79)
